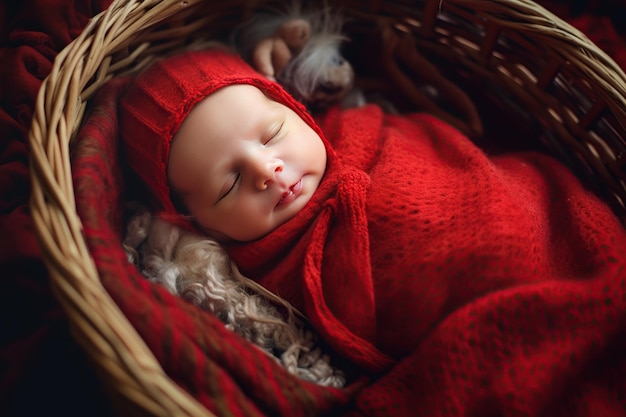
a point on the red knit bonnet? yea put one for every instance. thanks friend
(158, 100)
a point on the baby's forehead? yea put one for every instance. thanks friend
(244, 98)
(243, 89)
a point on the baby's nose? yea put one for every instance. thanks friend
(266, 172)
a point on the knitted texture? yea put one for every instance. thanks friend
(551, 349)
(545, 339)
(227, 374)
(160, 98)
(413, 223)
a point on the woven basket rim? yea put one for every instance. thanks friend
(77, 73)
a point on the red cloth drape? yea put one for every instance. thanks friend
(43, 371)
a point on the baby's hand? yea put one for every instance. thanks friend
(270, 56)
(296, 33)
(273, 54)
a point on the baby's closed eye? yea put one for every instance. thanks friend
(229, 186)
(273, 133)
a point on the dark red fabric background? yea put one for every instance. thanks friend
(42, 369)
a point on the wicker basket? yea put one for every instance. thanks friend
(546, 72)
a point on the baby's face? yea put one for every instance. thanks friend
(243, 164)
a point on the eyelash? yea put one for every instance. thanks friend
(274, 133)
(231, 187)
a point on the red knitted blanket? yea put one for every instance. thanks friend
(504, 340)
(423, 258)
(452, 282)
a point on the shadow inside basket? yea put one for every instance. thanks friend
(528, 99)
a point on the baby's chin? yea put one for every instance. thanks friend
(244, 236)
(217, 235)
(278, 218)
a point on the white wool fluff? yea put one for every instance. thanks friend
(197, 269)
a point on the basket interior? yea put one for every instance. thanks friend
(555, 90)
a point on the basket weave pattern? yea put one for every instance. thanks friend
(549, 72)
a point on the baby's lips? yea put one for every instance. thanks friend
(290, 195)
